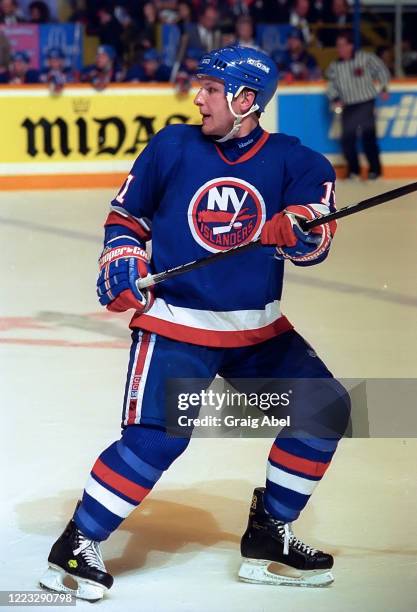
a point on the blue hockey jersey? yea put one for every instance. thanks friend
(191, 200)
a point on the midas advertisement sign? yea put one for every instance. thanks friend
(86, 126)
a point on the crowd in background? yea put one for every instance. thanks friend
(129, 38)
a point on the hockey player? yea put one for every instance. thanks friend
(207, 188)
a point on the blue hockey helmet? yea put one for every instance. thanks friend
(239, 67)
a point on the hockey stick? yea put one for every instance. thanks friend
(182, 47)
(387, 196)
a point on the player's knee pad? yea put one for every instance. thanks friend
(154, 445)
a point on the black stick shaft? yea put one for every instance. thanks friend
(194, 265)
(387, 196)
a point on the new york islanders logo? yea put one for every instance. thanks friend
(226, 212)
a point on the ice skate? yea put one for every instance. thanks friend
(273, 555)
(74, 555)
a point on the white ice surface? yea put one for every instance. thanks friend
(62, 367)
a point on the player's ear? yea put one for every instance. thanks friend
(246, 99)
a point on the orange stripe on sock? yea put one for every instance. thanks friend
(118, 482)
(310, 468)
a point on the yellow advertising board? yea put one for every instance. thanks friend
(83, 130)
(84, 137)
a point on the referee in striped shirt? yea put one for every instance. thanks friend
(354, 81)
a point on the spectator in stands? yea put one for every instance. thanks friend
(5, 53)
(56, 74)
(270, 11)
(339, 17)
(166, 5)
(150, 69)
(409, 57)
(109, 30)
(140, 31)
(190, 62)
(39, 12)
(122, 13)
(130, 39)
(148, 29)
(184, 16)
(352, 91)
(79, 13)
(105, 70)
(19, 70)
(167, 10)
(187, 70)
(231, 10)
(386, 54)
(244, 32)
(300, 17)
(295, 63)
(318, 11)
(205, 34)
(228, 35)
(86, 12)
(10, 13)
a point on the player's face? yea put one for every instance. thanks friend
(212, 103)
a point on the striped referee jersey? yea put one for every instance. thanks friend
(354, 81)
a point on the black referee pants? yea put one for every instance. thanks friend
(359, 120)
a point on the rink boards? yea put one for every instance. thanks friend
(86, 137)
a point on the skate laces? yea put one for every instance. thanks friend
(290, 539)
(90, 551)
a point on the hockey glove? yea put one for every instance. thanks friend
(284, 231)
(122, 263)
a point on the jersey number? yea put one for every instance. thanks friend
(121, 195)
(329, 194)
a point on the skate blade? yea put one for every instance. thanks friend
(53, 580)
(260, 571)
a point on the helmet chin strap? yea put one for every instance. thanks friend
(238, 118)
